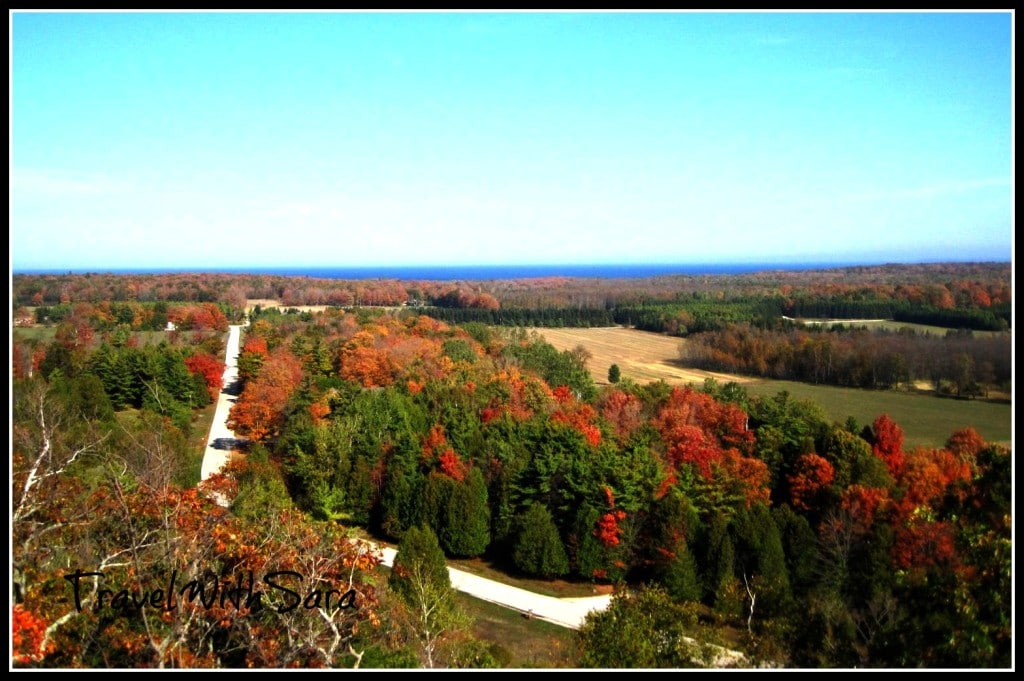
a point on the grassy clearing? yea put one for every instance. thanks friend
(202, 420)
(642, 356)
(521, 642)
(39, 334)
(926, 420)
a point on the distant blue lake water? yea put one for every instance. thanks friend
(476, 272)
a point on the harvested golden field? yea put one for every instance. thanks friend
(641, 355)
(271, 302)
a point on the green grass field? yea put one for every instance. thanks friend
(45, 334)
(40, 334)
(926, 420)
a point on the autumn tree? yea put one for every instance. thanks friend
(210, 369)
(887, 444)
(259, 411)
(809, 481)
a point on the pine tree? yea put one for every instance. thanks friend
(538, 548)
(614, 373)
(466, 529)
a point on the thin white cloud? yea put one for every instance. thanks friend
(934, 190)
(49, 182)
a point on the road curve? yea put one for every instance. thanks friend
(565, 612)
(222, 441)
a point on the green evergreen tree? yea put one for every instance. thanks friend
(437, 491)
(759, 558)
(590, 557)
(419, 557)
(800, 546)
(719, 578)
(466, 530)
(394, 502)
(420, 578)
(261, 490)
(111, 366)
(680, 576)
(538, 548)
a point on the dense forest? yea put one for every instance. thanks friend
(846, 292)
(828, 544)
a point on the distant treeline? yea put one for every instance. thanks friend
(957, 364)
(681, 319)
(106, 315)
(548, 317)
(997, 317)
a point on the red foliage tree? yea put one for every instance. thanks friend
(451, 465)
(210, 368)
(744, 476)
(812, 474)
(712, 437)
(929, 475)
(608, 530)
(921, 544)
(888, 444)
(28, 633)
(578, 415)
(436, 448)
(515, 395)
(864, 504)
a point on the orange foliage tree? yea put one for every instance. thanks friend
(259, 411)
(210, 368)
(812, 474)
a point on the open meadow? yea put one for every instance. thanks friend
(926, 420)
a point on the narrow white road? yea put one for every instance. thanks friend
(565, 612)
(222, 440)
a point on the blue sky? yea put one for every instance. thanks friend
(260, 139)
